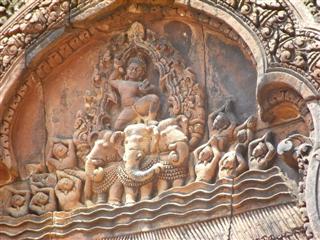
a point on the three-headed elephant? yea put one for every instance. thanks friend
(148, 153)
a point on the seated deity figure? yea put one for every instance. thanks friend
(137, 103)
(261, 152)
(43, 200)
(68, 191)
(61, 155)
(18, 204)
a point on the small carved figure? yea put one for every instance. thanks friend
(136, 101)
(118, 70)
(18, 204)
(61, 155)
(43, 200)
(244, 133)
(91, 105)
(231, 165)
(68, 191)
(103, 70)
(207, 162)
(43, 180)
(221, 124)
(261, 152)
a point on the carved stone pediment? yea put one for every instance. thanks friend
(158, 120)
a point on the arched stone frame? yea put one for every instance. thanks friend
(222, 10)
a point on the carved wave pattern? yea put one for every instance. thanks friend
(196, 202)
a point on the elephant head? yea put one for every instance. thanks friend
(174, 141)
(105, 150)
(140, 147)
(108, 148)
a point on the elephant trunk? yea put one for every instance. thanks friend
(142, 175)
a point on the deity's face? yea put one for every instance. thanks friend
(59, 150)
(65, 184)
(260, 150)
(220, 122)
(17, 200)
(205, 154)
(227, 165)
(41, 198)
(135, 71)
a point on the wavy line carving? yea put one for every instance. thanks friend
(194, 202)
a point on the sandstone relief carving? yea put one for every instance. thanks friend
(19, 202)
(144, 140)
(122, 153)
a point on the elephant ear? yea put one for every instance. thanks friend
(93, 137)
(117, 139)
(154, 140)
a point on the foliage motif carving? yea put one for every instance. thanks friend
(285, 44)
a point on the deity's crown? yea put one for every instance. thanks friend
(139, 59)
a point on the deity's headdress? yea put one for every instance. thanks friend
(139, 59)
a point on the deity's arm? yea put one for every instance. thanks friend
(51, 206)
(33, 181)
(214, 163)
(197, 151)
(25, 206)
(15, 191)
(53, 164)
(76, 180)
(270, 154)
(250, 123)
(35, 208)
(146, 87)
(58, 192)
(61, 174)
(27, 197)
(115, 83)
(210, 123)
(12, 211)
(251, 146)
(71, 158)
(242, 164)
